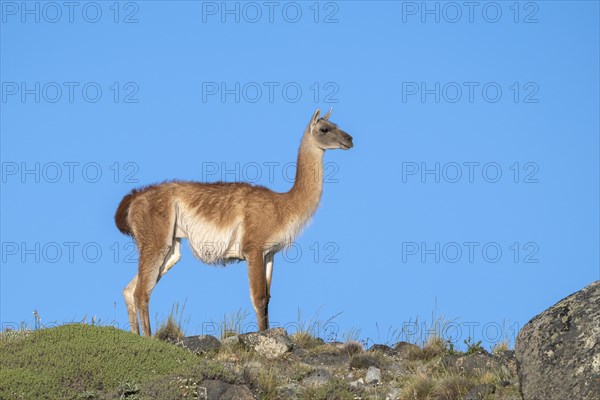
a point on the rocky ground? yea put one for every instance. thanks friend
(80, 361)
(557, 358)
(272, 365)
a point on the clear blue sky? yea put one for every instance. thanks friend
(472, 189)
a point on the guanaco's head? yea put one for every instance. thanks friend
(326, 135)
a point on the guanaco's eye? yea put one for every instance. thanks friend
(324, 129)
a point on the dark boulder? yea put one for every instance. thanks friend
(200, 344)
(217, 390)
(480, 392)
(558, 351)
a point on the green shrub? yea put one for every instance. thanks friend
(474, 348)
(75, 359)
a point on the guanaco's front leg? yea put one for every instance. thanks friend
(258, 288)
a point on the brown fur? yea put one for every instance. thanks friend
(241, 221)
(123, 210)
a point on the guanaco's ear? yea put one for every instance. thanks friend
(315, 118)
(326, 116)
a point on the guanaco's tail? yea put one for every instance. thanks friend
(122, 213)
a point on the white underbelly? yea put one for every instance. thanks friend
(212, 244)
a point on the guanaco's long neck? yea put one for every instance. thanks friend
(306, 193)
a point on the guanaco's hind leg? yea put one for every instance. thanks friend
(154, 263)
(153, 220)
(132, 311)
(258, 288)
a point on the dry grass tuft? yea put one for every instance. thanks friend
(417, 388)
(450, 388)
(432, 386)
(267, 383)
(233, 324)
(306, 341)
(353, 347)
(501, 347)
(364, 360)
(171, 330)
(434, 346)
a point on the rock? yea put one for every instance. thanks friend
(252, 368)
(357, 383)
(382, 348)
(231, 340)
(507, 358)
(212, 389)
(318, 378)
(272, 343)
(506, 396)
(396, 369)
(405, 349)
(393, 394)
(558, 351)
(200, 344)
(237, 392)
(480, 392)
(373, 375)
(290, 391)
(217, 390)
(332, 358)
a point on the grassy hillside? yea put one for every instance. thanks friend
(79, 361)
